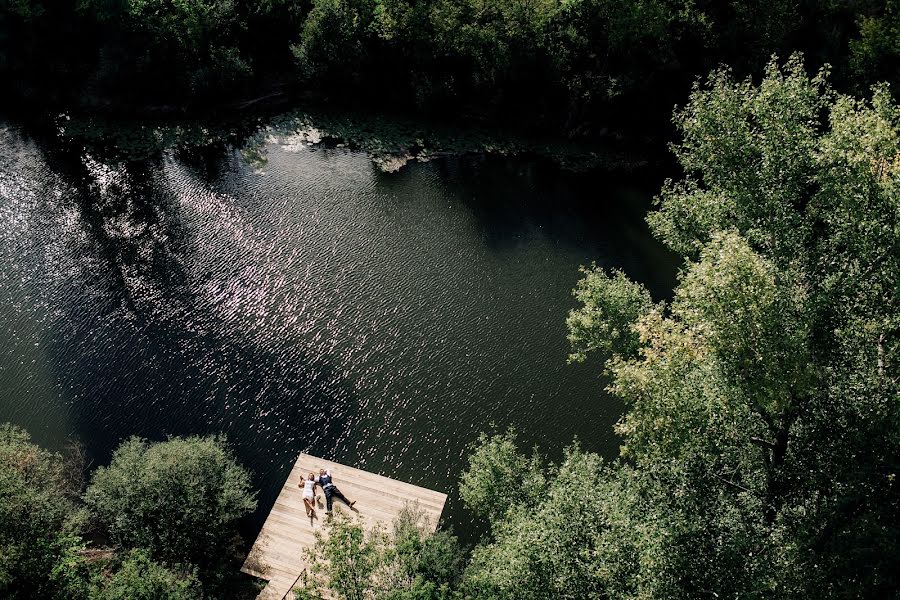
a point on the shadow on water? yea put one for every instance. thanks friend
(308, 302)
(206, 161)
(138, 345)
(129, 216)
(514, 198)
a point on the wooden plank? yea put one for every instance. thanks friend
(358, 476)
(308, 463)
(279, 588)
(369, 489)
(278, 555)
(361, 478)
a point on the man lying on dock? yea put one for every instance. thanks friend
(331, 490)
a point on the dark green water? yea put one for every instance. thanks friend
(315, 304)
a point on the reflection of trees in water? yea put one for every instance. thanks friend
(146, 352)
(114, 177)
(133, 215)
(206, 161)
(130, 216)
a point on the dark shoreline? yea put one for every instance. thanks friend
(390, 138)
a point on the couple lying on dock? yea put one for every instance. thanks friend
(331, 492)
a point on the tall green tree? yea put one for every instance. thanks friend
(546, 523)
(760, 441)
(39, 525)
(180, 500)
(764, 400)
(333, 41)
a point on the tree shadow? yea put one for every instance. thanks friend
(134, 238)
(599, 215)
(141, 351)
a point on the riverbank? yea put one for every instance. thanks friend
(390, 141)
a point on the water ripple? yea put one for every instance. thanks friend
(316, 305)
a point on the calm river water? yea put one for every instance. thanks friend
(310, 304)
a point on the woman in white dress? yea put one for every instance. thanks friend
(309, 494)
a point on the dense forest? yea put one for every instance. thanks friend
(759, 440)
(574, 67)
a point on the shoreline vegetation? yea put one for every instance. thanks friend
(159, 522)
(390, 142)
(572, 69)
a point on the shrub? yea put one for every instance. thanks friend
(409, 562)
(179, 499)
(38, 523)
(139, 578)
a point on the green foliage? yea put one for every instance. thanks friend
(546, 546)
(446, 50)
(139, 578)
(573, 66)
(409, 563)
(610, 307)
(333, 38)
(605, 49)
(352, 554)
(499, 477)
(754, 152)
(24, 9)
(423, 564)
(39, 526)
(875, 55)
(762, 418)
(199, 35)
(179, 500)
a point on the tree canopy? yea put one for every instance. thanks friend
(138, 577)
(179, 500)
(578, 67)
(44, 532)
(408, 562)
(39, 526)
(762, 400)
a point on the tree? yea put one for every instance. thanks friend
(499, 477)
(611, 304)
(333, 40)
(39, 526)
(180, 500)
(139, 578)
(423, 563)
(410, 562)
(545, 544)
(197, 37)
(875, 54)
(763, 400)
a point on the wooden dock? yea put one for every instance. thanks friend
(278, 553)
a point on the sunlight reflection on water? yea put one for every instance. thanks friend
(316, 305)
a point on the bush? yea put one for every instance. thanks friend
(38, 523)
(548, 546)
(500, 477)
(139, 578)
(180, 500)
(408, 563)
